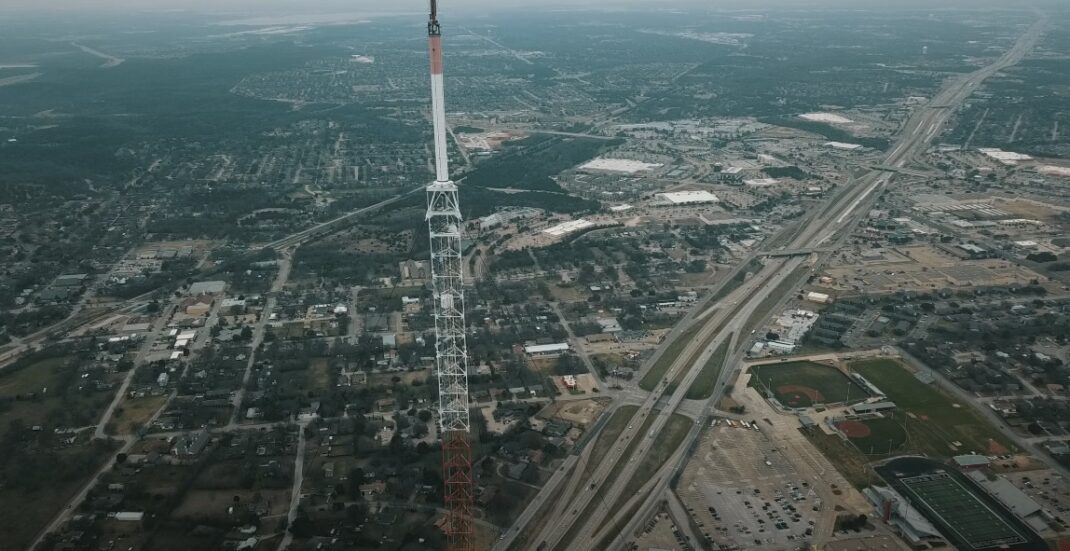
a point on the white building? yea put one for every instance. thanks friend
(546, 350)
(844, 146)
(687, 198)
(624, 166)
(566, 228)
(820, 298)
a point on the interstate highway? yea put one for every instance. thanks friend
(842, 211)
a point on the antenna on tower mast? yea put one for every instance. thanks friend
(451, 350)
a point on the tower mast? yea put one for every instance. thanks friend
(451, 351)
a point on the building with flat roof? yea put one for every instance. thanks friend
(546, 350)
(970, 461)
(875, 407)
(207, 287)
(622, 166)
(673, 198)
(566, 228)
(70, 280)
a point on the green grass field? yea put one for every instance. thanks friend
(887, 436)
(703, 385)
(802, 384)
(56, 401)
(933, 420)
(657, 371)
(33, 378)
(961, 511)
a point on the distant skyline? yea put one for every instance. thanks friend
(253, 7)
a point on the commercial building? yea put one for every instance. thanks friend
(624, 166)
(207, 287)
(566, 228)
(687, 198)
(843, 146)
(546, 350)
(819, 298)
(970, 461)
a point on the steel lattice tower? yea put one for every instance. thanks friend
(451, 351)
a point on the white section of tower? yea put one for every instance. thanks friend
(444, 222)
(438, 117)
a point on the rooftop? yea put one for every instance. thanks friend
(687, 197)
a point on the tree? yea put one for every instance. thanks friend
(302, 527)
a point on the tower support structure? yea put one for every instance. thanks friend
(444, 224)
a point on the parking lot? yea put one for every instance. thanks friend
(661, 533)
(743, 493)
(1049, 489)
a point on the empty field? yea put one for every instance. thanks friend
(802, 384)
(134, 413)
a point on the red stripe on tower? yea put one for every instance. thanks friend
(436, 54)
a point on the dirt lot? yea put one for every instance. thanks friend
(1048, 488)
(136, 412)
(407, 377)
(1026, 208)
(200, 503)
(658, 534)
(924, 268)
(745, 491)
(581, 412)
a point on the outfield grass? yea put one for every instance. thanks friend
(887, 434)
(703, 385)
(833, 385)
(657, 371)
(932, 418)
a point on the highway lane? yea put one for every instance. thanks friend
(726, 322)
(702, 347)
(841, 213)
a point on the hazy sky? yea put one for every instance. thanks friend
(298, 6)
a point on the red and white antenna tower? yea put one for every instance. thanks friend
(451, 350)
